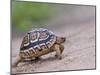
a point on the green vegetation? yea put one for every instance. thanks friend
(26, 15)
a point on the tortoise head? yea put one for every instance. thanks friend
(60, 40)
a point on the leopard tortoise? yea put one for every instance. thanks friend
(38, 42)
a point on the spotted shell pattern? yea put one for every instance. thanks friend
(37, 40)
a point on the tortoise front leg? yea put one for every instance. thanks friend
(61, 48)
(58, 51)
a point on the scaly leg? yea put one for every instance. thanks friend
(61, 48)
(58, 51)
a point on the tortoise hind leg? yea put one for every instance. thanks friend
(59, 49)
(18, 59)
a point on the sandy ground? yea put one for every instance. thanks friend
(79, 52)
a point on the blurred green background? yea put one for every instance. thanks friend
(26, 15)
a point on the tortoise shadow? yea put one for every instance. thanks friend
(41, 60)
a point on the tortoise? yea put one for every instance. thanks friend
(38, 42)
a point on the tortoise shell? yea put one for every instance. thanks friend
(36, 40)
